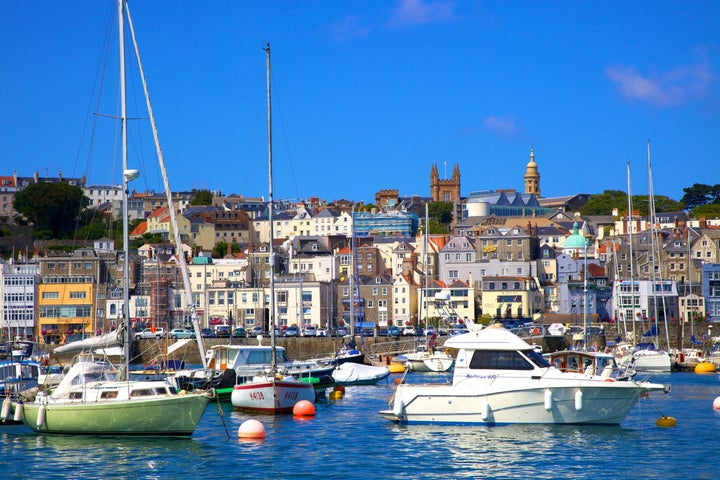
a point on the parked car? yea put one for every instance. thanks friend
(309, 330)
(341, 331)
(155, 332)
(292, 331)
(407, 331)
(181, 333)
(458, 328)
(257, 330)
(321, 332)
(222, 331)
(240, 332)
(206, 333)
(429, 330)
(393, 331)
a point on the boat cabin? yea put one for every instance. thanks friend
(577, 361)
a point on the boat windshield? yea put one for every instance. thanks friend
(605, 362)
(537, 358)
(499, 360)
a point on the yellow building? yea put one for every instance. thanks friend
(65, 309)
(66, 296)
(511, 298)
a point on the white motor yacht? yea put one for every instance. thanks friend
(500, 379)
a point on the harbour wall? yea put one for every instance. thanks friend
(301, 348)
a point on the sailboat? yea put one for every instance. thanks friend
(96, 399)
(425, 358)
(271, 390)
(648, 357)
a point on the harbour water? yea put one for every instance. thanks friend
(347, 439)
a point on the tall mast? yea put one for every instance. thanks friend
(630, 243)
(271, 323)
(425, 303)
(656, 253)
(189, 300)
(125, 181)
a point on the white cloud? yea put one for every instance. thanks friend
(417, 12)
(504, 125)
(663, 89)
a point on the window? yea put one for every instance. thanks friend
(499, 360)
(50, 295)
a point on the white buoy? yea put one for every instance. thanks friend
(7, 403)
(40, 417)
(578, 400)
(548, 400)
(716, 403)
(251, 429)
(18, 412)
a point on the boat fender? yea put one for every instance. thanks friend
(398, 408)
(5, 409)
(578, 400)
(609, 380)
(485, 410)
(548, 400)
(182, 392)
(18, 412)
(682, 357)
(40, 416)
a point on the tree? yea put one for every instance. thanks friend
(604, 203)
(53, 208)
(202, 197)
(711, 210)
(700, 194)
(441, 216)
(662, 204)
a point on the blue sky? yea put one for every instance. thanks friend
(367, 95)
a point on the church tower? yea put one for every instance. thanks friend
(532, 176)
(445, 190)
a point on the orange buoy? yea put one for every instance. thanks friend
(398, 381)
(716, 403)
(304, 408)
(339, 388)
(251, 429)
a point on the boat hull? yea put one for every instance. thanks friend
(271, 395)
(651, 361)
(176, 415)
(500, 402)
